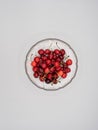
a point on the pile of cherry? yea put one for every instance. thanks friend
(51, 65)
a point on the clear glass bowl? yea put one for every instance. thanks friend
(51, 43)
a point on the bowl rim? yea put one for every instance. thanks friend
(74, 55)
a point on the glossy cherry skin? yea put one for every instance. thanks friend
(36, 59)
(36, 74)
(33, 63)
(69, 62)
(64, 75)
(41, 51)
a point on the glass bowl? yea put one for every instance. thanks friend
(51, 43)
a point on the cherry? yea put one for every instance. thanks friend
(47, 70)
(62, 51)
(64, 75)
(57, 64)
(47, 81)
(60, 73)
(55, 81)
(48, 62)
(69, 62)
(67, 70)
(47, 51)
(58, 68)
(35, 69)
(33, 63)
(49, 76)
(56, 51)
(41, 51)
(50, 56)
(37, 59)
(43, 65)
(36, 74)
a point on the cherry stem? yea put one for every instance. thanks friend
(65, 58)
(57, 45)
(45, 75)
(50, 45)
(31, 57)
(59, 80)
(52, 83)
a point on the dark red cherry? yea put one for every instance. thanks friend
(56, 51)
(41, 51)
(47, 51)
(47, 81)
(36, 74)
(69, 62)
(62, 51)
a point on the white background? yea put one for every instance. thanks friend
(22, 105)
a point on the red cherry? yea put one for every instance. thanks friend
(56, 51)
(50, 56)
(33, 63)
(37, 59)
(57, 64)
(48, 62)
(49, 76)
(60, 73)
(64, 75)
(55, 81)
(67, 70)
(47, 81)
(41, 51)
(62, 51)
(44, 57)
(47, 51)
(43, 65)
(47, 70)
(69, 62)
(35, 69)
(36, 74)
(58, 68)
